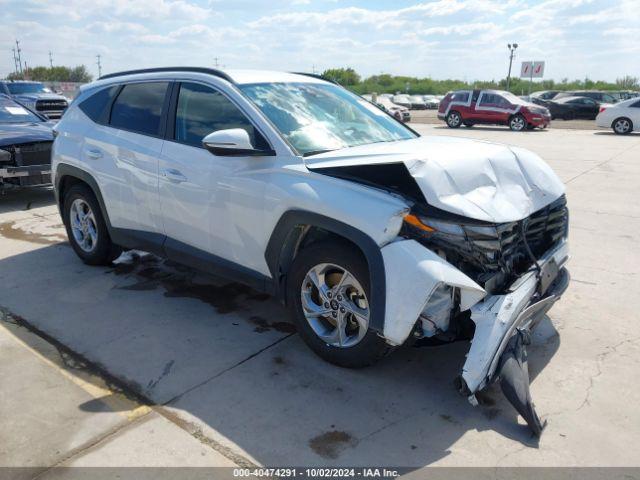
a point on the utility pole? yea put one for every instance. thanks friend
(512, 53)
(18, 52)
(50, 59)
(99, 66)
(15, 60)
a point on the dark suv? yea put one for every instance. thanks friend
(36, 96)
(600, 97)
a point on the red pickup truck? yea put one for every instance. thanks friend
(495, 107)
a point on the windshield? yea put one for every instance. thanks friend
(13, 113)
(20, 88)
(316, 118)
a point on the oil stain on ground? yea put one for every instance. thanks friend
(263, 325)
(12, 232)
(331, 444)
(151, 272)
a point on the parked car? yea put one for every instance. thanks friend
(402, 100)
(569, 108)
(289, 183)
(417, 102)
(431, 101)
(399, 112)
(622, 118)
(545, 94)
(600, 97)
(25, 146)
(497, 107)
(35, 96)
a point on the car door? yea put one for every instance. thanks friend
(127, 147)
(209, 203)
(487, 109)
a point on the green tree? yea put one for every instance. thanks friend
(344, 76)
(54, 74)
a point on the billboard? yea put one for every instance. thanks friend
(532, 69)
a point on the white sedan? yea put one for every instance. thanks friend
(622, 117)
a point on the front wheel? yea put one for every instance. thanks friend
(454, 120)
(328, 292)
(622, 126)
(86, 228)
(517, 123)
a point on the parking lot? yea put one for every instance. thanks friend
(149, 364)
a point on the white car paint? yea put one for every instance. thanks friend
(477, 179)
(628, 109)
(188, 194)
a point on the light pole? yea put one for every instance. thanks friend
(512, 53)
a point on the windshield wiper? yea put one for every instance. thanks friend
(317, 152)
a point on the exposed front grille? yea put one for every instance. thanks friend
(50, 105)
(495, 254)
(27, 154)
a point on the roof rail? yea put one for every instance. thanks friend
(315, 75)
(210, 71)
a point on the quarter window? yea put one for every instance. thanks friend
(202, 110)
(94, 106)
(138, 108)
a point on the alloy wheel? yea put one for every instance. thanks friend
(622, 125)
(335, 305)
(83, 225)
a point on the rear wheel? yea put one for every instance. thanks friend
(454, 119)
(86, 228)
(517, 123)
(328, 292)
(622, 126)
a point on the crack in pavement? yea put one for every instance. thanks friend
(76, 361)
(600, 358)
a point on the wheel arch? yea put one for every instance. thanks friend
(68, 175)
(295, 227)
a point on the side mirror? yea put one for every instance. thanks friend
(233, 142)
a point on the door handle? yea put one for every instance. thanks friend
(94, 153)
(174, 175)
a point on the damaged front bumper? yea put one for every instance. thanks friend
(502, 322)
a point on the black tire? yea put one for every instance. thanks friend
(517, 123)
(371, 347)
(622, 126)
(104, 251)
(454, 119)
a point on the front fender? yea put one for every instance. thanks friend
(412, 274)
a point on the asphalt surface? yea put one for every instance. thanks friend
(149, 364)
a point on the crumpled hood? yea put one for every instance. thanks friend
(476, 179)
(16, 133)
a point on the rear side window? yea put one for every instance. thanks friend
(460, 96)
(202, 110)
(138, 108)
(95, 107)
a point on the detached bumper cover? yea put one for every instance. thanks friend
(498, 317)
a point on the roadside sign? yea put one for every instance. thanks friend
(532, 69)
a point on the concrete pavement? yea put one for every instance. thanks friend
(230, 381)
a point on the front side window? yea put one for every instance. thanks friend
(138, 108)
(202, 110)
(316, 117)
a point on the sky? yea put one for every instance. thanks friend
(464, 39)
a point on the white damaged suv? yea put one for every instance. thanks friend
(371, 234)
